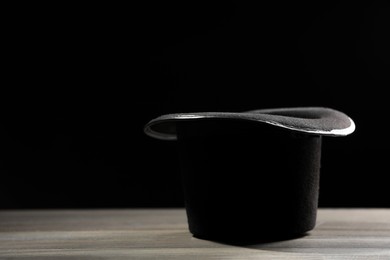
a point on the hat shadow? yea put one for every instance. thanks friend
(256, 243)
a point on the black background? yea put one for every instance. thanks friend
(80, 81)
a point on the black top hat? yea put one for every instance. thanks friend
(311, 120)
(251, 175)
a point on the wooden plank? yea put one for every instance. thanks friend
(85, 220)
(163, 234)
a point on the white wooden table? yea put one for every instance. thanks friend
(163, 234)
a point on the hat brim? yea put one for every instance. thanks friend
(311, 120)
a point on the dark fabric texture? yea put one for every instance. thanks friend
(248, 180)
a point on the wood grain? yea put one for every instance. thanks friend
(163, 234)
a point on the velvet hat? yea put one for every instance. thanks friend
(251, 175)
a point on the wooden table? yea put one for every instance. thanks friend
(163, 234)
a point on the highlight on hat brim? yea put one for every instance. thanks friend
(311, 120)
